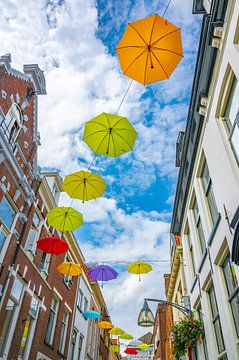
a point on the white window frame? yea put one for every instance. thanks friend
(65, 322)
(37, 227)
(55, 311)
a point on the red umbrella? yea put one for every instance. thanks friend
(52, 245)
(131, 351)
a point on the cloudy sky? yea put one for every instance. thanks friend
(74, 42)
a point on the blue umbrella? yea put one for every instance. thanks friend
(91, 314)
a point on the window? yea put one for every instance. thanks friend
(80, 299)
(231, 116)
(13, 122)
(232, 290)
(81, 339)
(33, 234)
(64, 325)
(44, 263)
(199, 227)
(204, 341)
(28, 327)
(3, 237)
(7, 213)
(67, 279)
(73, 344)
(85, 304)
(208, 191)
(216, 319)
(190, 246)
(12, 304)
(52, 321)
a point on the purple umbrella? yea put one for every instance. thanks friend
(102, 273)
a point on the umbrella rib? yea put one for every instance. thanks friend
(114, 145)
(120, 118)
(101, 142)
(169, 33)
(125, 141)
(138, 34)
(106, 115)
(152, 30)
(95, 189)
(130, 46)
(99, 123)
(160, 64)
(137, 57)
(95, 132)
(145, 68)
(174, 52)
(124, 129)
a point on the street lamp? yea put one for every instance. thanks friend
(146, 318)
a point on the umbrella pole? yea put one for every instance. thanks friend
(126, 92)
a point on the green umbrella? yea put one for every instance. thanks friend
(110, 135)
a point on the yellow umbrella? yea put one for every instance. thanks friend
(69, 269)
(84, 185)
(143, 346)
(150, 49)
(126, 337)
(64, 218)
(116, 331)
(114, 348)
(110, 135)
(139, 267)
(105, 325)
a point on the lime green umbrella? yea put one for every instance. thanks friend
(116, 331)
(126, 337)
(64, 218)
(109, 134)
(84, 185)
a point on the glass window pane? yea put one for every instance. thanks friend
(10, 308)
(33, 307)
(235, 312)
(62, 338)
(7, 213)
(36, 219)
(17, 289)
(233, 102)
(228, 274)
(32, 235)
(213, 302)
(219, 337)
(2, 239)
(205, 177)
(212, 205)
(201, 236)
(235, 140)
(50, 328)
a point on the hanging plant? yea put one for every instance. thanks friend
(185, 334)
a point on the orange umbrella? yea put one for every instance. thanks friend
(150, 49)
(69, 269)
(105, 325)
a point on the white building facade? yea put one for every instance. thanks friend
(206, 208)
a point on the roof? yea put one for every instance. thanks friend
(146, 338)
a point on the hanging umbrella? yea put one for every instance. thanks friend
(143, 346)
(114, 348)
(139, 267)
(84, 185)
(69, 269)
(131, 351)
(135, 343)
(102, 273)
(91, 314)
(126, 337)
(110, 135)
(64, 218)
(150, 49)
(116, 331)
(52, 245)
(105, 325)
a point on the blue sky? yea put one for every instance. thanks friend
(74, 42)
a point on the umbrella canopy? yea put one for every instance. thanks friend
(126, 337)
(102, 273)
(84, 185)
(64, 218)
(91, 314)
(110, 135)
(150, 49)
(139, 267)
(52, 245)
(143, 346)
(114, 348)
(131, 351)
(69, 269)
(135, 343)
(116, 331)
(105, 325)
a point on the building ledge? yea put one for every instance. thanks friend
(174, 271)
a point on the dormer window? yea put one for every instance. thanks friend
(13, 122)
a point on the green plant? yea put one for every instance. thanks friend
(185, 334)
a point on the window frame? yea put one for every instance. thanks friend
(37, 228)
(50, 341)
(15, 210)
(63, 334)
(198, 225)
(215, 318)
(80, 345)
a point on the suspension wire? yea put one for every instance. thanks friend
(126, 92)
(166, 9)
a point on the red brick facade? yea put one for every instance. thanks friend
(18, 175)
